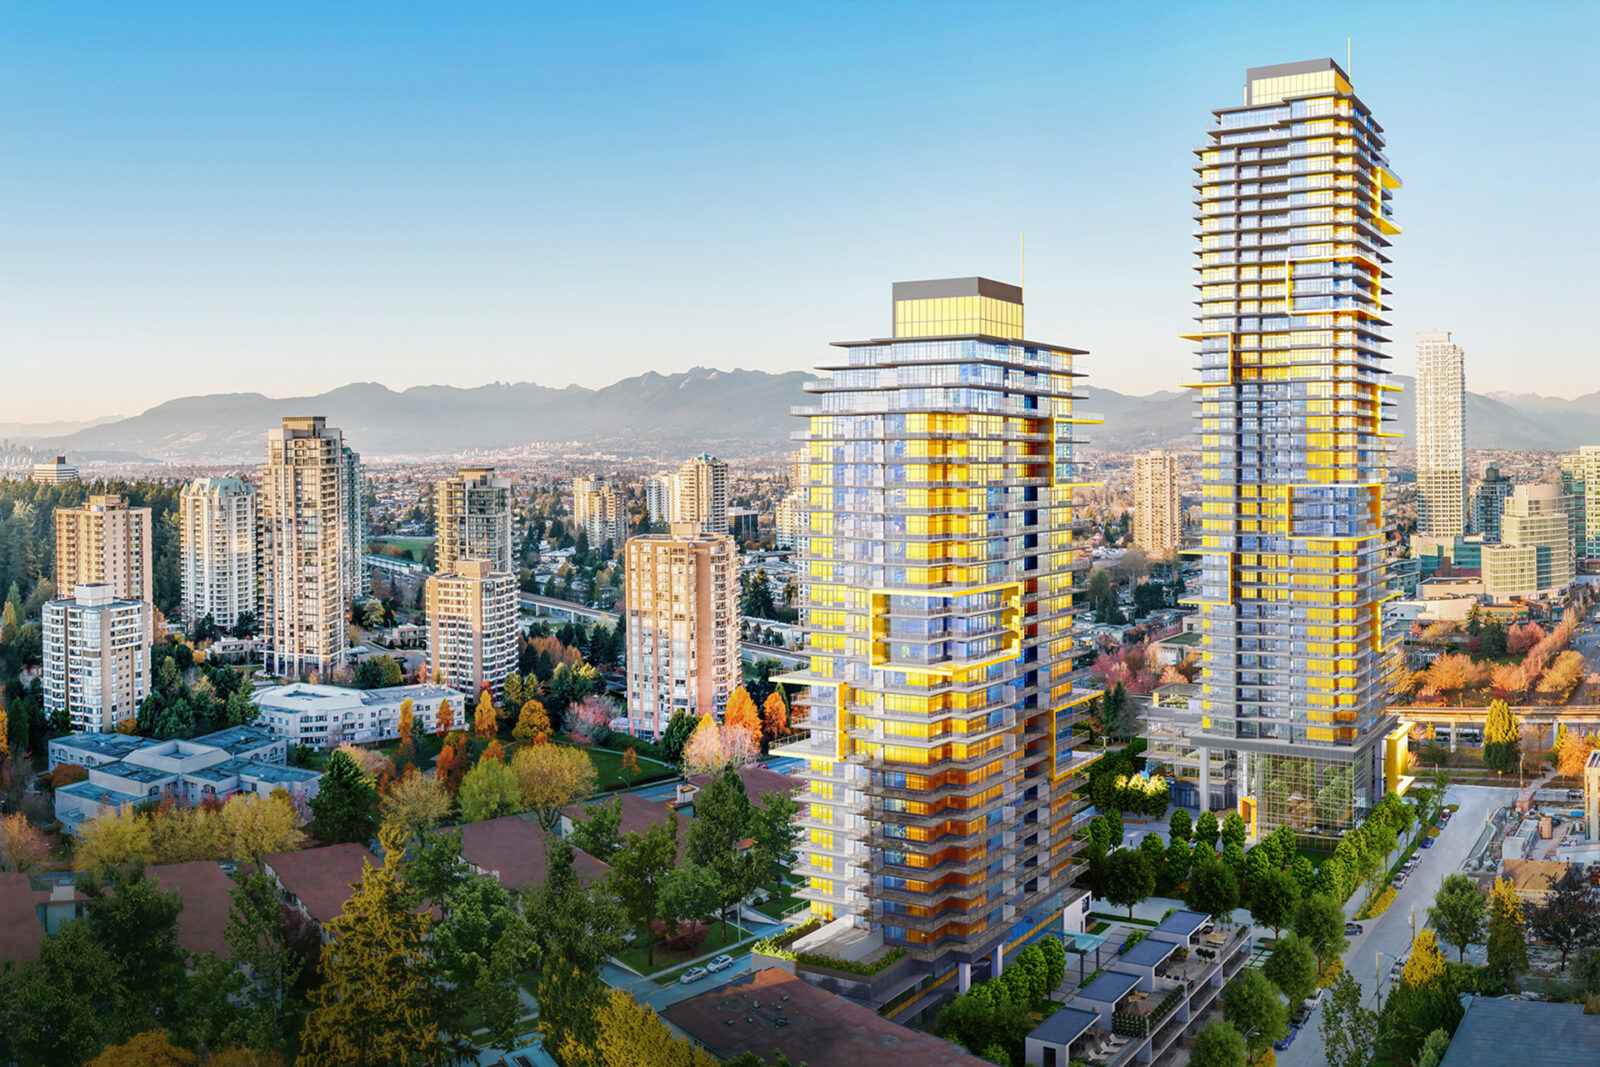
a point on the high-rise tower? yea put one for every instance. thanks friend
(1157, 520)
(1293, 195)
(217, 551)
(700, 494)
(305, 531)
(941, 556)
(473, 518)
(1441, 436)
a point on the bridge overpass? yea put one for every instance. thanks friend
(1452, 722)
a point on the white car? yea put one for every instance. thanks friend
(693, 974)
(721, 963)
(1313, 1001)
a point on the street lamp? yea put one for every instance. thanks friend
(1377, 973)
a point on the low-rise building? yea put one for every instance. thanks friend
(1146, 998)
(327, 716)
(316, 882)
(55, 471)
(512, 849)
(213, 767)
(1543, 1034)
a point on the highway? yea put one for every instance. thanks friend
(1391, 932)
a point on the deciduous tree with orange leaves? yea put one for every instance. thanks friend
(484, 720)
(774, 716)
(408, 721)
(445, 719)
(742, 713)
(450, 768)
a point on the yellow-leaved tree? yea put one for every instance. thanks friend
(484, 722)
(414, 805)
(551, 777)
(379, 1001)
(631, 1034)
(254, 825)
(1425, 967)
(408, 721)
(111, 839)
(533, 724)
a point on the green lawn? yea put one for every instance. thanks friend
(781, 904)
(414, 546)
(722, 935)
(608, 768)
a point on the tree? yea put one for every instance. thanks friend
(569, 685)
(480, 916)
(1500, 738)
(676, 736)
(252, 826)
(148, 1049)
(1212, 887)
(638, 868)
(1424, 1000)
(1274, 896)
(575, 930)
(22, 848)
(1433, 1049)
(379, 1001)
(137, 924)
(776, 831)
(590, 724)
(631, 1034)
(533, 724)
(1179, 826)
(1129, 879)
(489, 791)
(1508, 945)
(1320, 920)
(266, 966)
(1292, 966)
(65, 1008)
(1349, 1030)
(1206, 831)
(444, 720)
(1219, 1045)
(1458, 912)
(1234, 830)
(552, 777)
(1254, 1006)
(485, 721)
(346, 805)
(715, 747)
(629, 764)
(1569, 918)
(408, 720)
(742, 713)
(1122, 717)
(689, 894)
(774, 716)
(724, 818)
(599, 834)
(114, 838)
(450, 767)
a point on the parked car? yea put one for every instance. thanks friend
(1400, 879)
(1298, 1019)
(1354, 929)
(1399, 965)
(1311, 1002)
(1427, 842)
(1287, 1039)
(693, 974)
(721, 963)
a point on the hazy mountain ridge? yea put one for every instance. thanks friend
(696, 408)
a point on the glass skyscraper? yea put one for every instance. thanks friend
(1292, 195)
(942, 555)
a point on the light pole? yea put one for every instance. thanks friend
(1377, 974)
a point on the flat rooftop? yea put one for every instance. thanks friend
(1183, 922)
(772, 1011)
(1148, 953)
(1109, 987)
(1065, 1025)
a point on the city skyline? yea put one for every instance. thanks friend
(344, 205)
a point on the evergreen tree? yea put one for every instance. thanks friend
(575, 930)
(379, 1001)
(1500, 738)
(346, 805)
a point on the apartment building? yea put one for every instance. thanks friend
(304, 509)
(474, 520)
(1489, 494)
(682, 625)
(1534, 557)
(600, 509)
(55, 471)
(658, 497)
(104, 541)
(358, 580)
(217, 551)
(473, 625)
(1157, 518)
(1580, 479)
(942, 556)
(327, 716)
(700, 494)
(1441, 436)
(96, 657)
(1292, 193)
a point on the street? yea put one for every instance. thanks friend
(1391, 932)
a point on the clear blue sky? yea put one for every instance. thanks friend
(283, 198)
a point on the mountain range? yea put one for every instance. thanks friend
(699, 408)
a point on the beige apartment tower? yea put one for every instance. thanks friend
(472, 626)
(96, 657)
(217, 551)
(700, 494)
(305, 533)
(601, 511)
(104, 541)
(682, 625)
(473, 517)
(1157, 520)
(1441, 436)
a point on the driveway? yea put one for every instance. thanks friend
(1391, 932)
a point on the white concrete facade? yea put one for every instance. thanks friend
(217, 550)
(96, 657)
